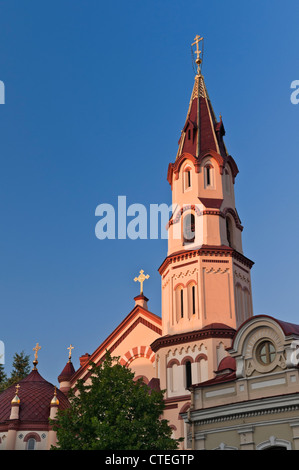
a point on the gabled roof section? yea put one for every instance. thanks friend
(132, 320)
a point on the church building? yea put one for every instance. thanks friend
(231, 378)
(205, 277)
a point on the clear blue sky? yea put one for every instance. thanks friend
(96, 95)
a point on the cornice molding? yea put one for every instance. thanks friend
(241, 410)
(206, 250)
(187, 337)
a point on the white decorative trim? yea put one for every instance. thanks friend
(268, 383)
(273, 441)
(222, 391)
(223, 446)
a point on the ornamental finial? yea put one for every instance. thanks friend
(198, 59)
(16, 399)
(55, 400)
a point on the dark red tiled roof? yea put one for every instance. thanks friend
(35, 395)
(67, 372)
(227, 363)
(229, 377)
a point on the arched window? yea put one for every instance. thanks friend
(182, 303)
(187, 178)
(31, 443)
(229, 231)
(274, 444)
(187, 363)
(189, 228)
(193, 300)
(192, 304)
(209, 176)
(179, 300)
(188, 373)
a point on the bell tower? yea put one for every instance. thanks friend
(206, 284)
(205, 276)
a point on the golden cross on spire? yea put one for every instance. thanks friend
(198, 60)
(36, 349)
(70, 351)
(16, 399)
(141, 278)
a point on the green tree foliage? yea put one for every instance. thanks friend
(3, 378)
(20, 370)
(113, 412)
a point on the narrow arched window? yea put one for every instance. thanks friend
(189, 228)
(209, 176)
(191, 297)
(187, 179)
(179, 303)
(188, 373)
(193, 300)
(229, 232)
(182, 303)
(31, 444)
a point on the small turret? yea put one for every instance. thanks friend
(64, 378)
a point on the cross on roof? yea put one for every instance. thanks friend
(197, 40)
(70, 351)
(141, 278)
(36, 349)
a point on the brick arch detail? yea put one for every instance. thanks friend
(200, 357)
(186, 359)
(184, 409)
(136, 352)
(32, 435)
(172, 362)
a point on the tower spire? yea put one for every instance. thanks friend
(201, 132)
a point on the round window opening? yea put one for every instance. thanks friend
(266, 352)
